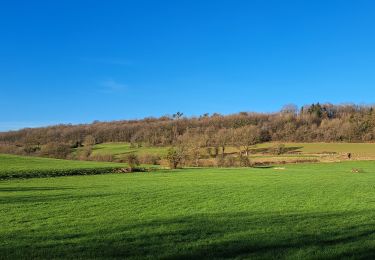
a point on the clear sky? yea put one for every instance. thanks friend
(79, 61)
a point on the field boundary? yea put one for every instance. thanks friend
(40, 173)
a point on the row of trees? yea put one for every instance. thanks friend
(313, 123)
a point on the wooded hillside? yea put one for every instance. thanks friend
(313, 123)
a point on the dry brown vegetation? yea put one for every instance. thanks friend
(189, 136)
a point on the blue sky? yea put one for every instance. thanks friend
(79, 61)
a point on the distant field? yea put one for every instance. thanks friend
(118, 149)
(326, 152)
(21, 166)
(360, 149)
(309, 151)
(304, 211)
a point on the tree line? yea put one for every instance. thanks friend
(311, 123)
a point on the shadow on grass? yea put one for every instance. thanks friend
(206, 236)
(263, 166)
(268, 150)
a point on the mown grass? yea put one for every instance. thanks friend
(306, 211)
(12, 166)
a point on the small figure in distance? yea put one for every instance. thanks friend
(349, 155)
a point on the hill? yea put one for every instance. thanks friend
(200, 137)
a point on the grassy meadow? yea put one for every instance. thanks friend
(302, 211)
(357, 149)
(125, 148)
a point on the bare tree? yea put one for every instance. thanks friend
(175, 157)
(89, 141)
(247, 137)
(223, 138)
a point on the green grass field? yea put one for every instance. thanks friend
(305, 211)
(118, 149)
(20, 166)
(361, 149)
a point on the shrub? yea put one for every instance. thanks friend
(30, 149)
(33, 173)
(84, 153)
(207, 163)
(245, 161)
(149, 159)
(129, 169)
(102, 157)
(10, 149)
(56, 150)
(220, 161)
(279, 149)
(229, 161)
(132, 160)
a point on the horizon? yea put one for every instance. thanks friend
(77, 62)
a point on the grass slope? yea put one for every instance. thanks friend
(304, 211)
(125, 148)
(359, 149)
(21, 166)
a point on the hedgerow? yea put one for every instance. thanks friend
(35, 173)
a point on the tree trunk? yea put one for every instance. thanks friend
(216, 151)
